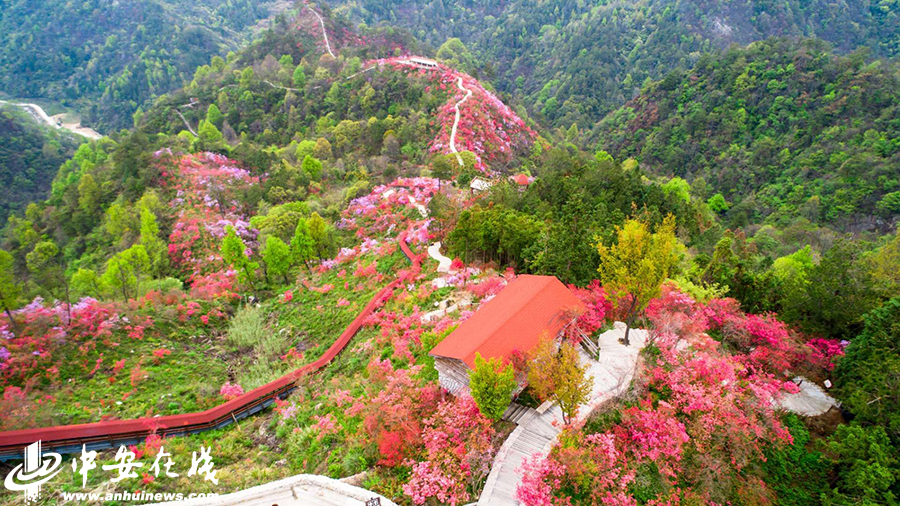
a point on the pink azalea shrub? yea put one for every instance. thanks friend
(208, 189)
(325, 425)
(231, 391)
(705, 417)
(398, 402)
(597, 306)
(825, 351)
(458, 453)
(487, 127)
(43, 329)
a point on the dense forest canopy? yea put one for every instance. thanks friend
(30, 156)
(107, 58)
(574, 61)
(784, 130)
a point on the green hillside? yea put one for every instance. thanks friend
(107, 58)
(30, 156)
(574, 61)
(783, 130)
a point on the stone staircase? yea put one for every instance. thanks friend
(516, 412)
(592, 349)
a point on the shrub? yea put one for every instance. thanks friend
(492, 386)
(247, 328)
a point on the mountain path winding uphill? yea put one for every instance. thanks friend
(324, 33)
(459, 84)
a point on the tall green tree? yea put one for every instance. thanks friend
(125, 269)
(866, 464)
(156, 247)
(303, 246)
(48, 270)
(9, 288)
(208, 132)
(492, 386)
(234, 254)
(318, 230)
(277, 256)
(567, 249)
(839, 291)
(299, 77)
(867, 377)
(312, 167)
(635, 267)
(214, 116)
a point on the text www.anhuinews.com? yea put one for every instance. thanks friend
(135, 497)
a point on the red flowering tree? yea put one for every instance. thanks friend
(393, 417)
(703, 423)
(458, 454)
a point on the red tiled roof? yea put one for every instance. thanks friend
(522, 179)
(516, 319)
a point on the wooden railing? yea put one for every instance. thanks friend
(102, 435)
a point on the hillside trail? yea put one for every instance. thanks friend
(461, 86)
(324, 33)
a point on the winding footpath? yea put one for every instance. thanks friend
(459, 84)
(324, 33)
(538, 428)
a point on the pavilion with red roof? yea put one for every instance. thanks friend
(522, 179)
(528, 309)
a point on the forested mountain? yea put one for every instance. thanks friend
(30, 156)
(783, 129)
(248, 217)
(106, 58)
(572, 61)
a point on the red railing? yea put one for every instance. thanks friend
(100, 435)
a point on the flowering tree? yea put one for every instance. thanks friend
(458, 454)
(701, 427)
